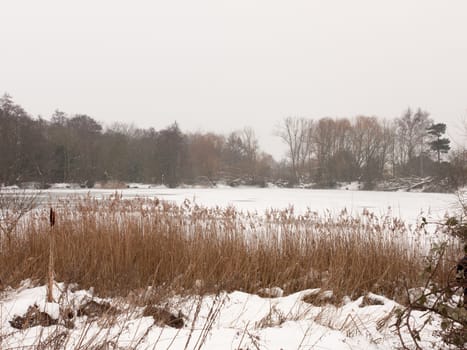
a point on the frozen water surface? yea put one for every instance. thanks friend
(408, 206)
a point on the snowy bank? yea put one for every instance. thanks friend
(227, 320)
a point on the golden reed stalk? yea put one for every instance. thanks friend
(51, 257)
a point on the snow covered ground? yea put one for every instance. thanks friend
(226, 321)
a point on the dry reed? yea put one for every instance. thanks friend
(118, 246)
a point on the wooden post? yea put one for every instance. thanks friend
(50, 279)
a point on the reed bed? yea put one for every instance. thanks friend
(118, 246)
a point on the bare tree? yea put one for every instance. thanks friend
(296, 134)
(326, 146)
(240, 155)
(250, 150)
(370, 153)
(171, 153)
(205, 155)
(411, 133)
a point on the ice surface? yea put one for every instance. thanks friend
(408, 206)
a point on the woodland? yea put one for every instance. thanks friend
(322, 152)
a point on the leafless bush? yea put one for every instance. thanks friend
(14, 205)
(442, 299)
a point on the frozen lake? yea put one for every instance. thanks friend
(406, 205)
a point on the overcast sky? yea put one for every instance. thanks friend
(223, 65)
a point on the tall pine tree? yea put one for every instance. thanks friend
(439, 144)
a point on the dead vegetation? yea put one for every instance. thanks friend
(118, 246)
(163, 317)
(93, 309)
(32, 318)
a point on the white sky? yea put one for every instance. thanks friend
(221, 65)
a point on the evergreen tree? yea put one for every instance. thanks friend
(439, 144)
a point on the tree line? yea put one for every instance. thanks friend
(370, 149)
(78, 149)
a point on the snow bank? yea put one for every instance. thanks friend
(227, 320)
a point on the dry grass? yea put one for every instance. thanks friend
(118, 246)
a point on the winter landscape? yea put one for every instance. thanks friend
(244, 175)
(264, 314)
